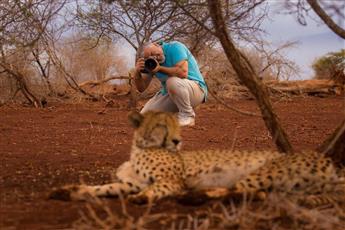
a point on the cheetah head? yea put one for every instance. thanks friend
(156, 130)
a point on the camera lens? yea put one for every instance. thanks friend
(150, 64)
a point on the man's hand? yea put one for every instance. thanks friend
(140, 65)
(157, 69)
(142, 80)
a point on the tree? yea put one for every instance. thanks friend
(42, 63)
(22, 25)
(248, 76)
(15, 65)
(274, 64)
(221, 23)
(92, 65)
(88, 62)
(136, 22)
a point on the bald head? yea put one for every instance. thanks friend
(153, 50)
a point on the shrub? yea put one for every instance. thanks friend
(331, 66)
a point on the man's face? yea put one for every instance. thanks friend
(154, 51)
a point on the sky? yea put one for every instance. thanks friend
(314, 40)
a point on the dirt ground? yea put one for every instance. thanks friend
(68, 143)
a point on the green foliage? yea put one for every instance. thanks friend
(330, 66)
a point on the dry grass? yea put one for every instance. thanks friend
(278, 211)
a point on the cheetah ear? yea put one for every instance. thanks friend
(135, 118)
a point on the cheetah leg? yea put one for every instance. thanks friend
(240, 191)
(314, 201)
(156, 191)
(219, 193)
(198, 197)
(237, 192)
(83, 192)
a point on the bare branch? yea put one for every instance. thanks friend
(334, 145)
(326, 18)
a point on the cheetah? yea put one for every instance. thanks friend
(157, 168)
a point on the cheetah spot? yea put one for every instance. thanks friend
(217, 169)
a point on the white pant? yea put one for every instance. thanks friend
(183, 95)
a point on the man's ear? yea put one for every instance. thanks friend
(135, 118)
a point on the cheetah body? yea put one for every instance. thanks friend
(157, 169)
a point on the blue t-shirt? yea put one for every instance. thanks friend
(175, 52)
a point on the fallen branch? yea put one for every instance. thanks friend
(311, 87)
(94, 83)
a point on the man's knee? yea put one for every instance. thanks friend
(175, 84)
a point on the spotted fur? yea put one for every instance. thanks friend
(157, 168)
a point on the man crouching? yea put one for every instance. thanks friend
(183, 86)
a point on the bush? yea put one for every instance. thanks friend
(331, 66)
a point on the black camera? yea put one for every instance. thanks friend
(150, 64)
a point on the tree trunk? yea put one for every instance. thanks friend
(326, 18)
(334, 145)
(28, 94)
(50, 49)
(44, 70)
(249, 78)
(32, 99)
(133, 100)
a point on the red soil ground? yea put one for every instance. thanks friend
(66, 143)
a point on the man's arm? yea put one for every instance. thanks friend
(179, 70)
(142, 81)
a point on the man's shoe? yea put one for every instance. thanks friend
(186, 121)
